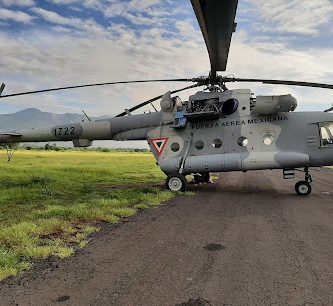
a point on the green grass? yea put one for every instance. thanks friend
(51, 201)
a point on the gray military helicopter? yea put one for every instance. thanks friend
(217, 129)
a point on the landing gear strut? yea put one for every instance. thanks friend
(303, 188)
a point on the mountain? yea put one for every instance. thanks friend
(33, 117)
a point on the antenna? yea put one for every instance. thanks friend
(153, 107)
(2, 87)
(86, 115)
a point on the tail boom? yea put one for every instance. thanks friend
(133, 127)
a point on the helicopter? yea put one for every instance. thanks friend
(217, 129)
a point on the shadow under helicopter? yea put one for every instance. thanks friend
(254, 184)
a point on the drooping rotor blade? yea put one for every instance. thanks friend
(217, 22)
(328, 110)
(91, 85)
(278, 82)
(155, 99)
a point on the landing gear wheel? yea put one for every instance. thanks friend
(176, 182)
(303, 188)
(202, 178)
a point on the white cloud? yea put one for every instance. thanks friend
(133, 10)
(268, 60)
(62, 2)
(143, 4)
(139, 19)
(17, 2)
(17, 16)
(72, 51)
(294, 16)
(78, 4)
(60, 59)
(82, 25)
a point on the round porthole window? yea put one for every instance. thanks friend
(217, 143)
(175, 147)
(242, 141)
(268, 139)
(199, 144)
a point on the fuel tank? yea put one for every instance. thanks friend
(235, 162)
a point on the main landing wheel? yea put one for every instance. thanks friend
(303, 188)
(176, 182)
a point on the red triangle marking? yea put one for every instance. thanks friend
(159, 144)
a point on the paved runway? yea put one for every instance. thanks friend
(247, 239)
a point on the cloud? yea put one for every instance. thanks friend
(119, 8)
(98, 5)
(64, 2)
(278, 60)
(55, 18)
(143, 4)
(138, 12)
(17, 2)
(57, 59)
(16, 16)
(294, 16)
(139, 19)
(71, 50)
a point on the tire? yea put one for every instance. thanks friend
(303, 188)
(176, 182)
(202, 178)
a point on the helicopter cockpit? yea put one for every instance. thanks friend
(326, 133)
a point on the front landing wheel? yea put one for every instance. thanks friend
(303, 188)
(176, 182)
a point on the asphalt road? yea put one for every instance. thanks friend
(245, 240)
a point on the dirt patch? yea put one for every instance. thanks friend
(62, 298)
(197, 302)
(213, 247)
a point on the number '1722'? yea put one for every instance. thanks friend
(64, 131)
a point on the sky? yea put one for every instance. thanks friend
(55, 43)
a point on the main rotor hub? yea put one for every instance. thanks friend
(214, 88)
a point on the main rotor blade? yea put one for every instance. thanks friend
(93, 85)
(278, 82)
(217, 22)
(154, 99)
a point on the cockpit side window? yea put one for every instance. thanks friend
(326, 133)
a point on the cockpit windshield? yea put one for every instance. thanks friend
(326, 132)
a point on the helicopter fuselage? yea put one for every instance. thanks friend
(241, 141)
(279, 141)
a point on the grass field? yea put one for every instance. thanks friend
(51, 201)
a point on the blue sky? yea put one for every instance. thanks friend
(67, 42)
